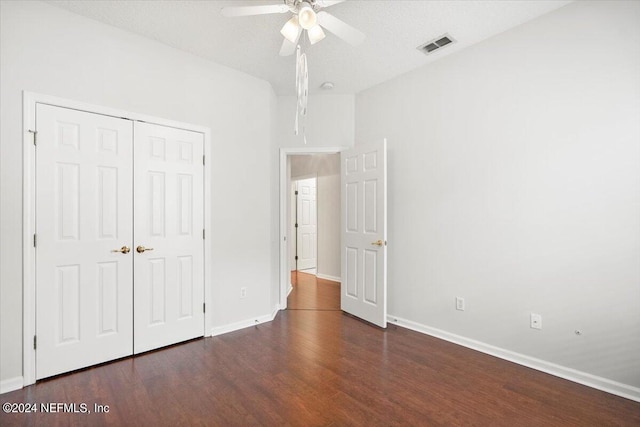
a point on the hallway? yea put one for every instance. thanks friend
(312, 293)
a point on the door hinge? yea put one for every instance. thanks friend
(35, 136)
(35, 342)
(204, 307)
(296, 192)
(35, 240)
(296, 225)
(203, 234)
(202, 160)
(296, 257)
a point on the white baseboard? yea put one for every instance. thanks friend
(327, 277)
(274, 312)
(600, 383)
(11, 384)
(225, 329)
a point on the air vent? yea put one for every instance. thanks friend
(439, 42)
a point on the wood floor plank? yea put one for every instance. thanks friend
(315, 366)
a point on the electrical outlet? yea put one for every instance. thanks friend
(243, 292)
(536, 321)
(460, 303)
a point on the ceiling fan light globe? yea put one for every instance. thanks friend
(291, 29)
(315, 34)
(307, 16)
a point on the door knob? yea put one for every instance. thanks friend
(141, 249)
(124, 250)
(378, 243)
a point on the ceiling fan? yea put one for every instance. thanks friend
(307, 15)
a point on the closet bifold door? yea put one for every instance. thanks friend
(84, 234)
(168, 245)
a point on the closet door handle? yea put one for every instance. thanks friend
(141, 249)
(124, 250)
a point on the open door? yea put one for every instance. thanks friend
(364, 232)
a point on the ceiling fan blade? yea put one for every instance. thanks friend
(327, 3)
(233, 11)
(340, 28)
(289, 48)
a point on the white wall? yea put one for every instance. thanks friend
(329, 121)
(514, 182)
(327, 169)
(47, 50)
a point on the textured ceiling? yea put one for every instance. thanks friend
(394, 28)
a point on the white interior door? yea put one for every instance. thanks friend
(364, 232)
(169, 223)
(84, 213)
(307, 220)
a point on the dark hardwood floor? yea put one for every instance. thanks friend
(311, 293)
(318, 367)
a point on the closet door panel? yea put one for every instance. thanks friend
(169, 246)
(84, 280)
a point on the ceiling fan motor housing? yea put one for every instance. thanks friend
(294, 5)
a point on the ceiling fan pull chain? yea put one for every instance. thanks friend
(297, 89)
(304, 130)
(302, 89)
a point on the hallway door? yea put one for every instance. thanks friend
(307, 223)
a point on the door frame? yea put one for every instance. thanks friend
(29, 102)
(285, 186)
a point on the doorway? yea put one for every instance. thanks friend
(323, 164)
(363, 231)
